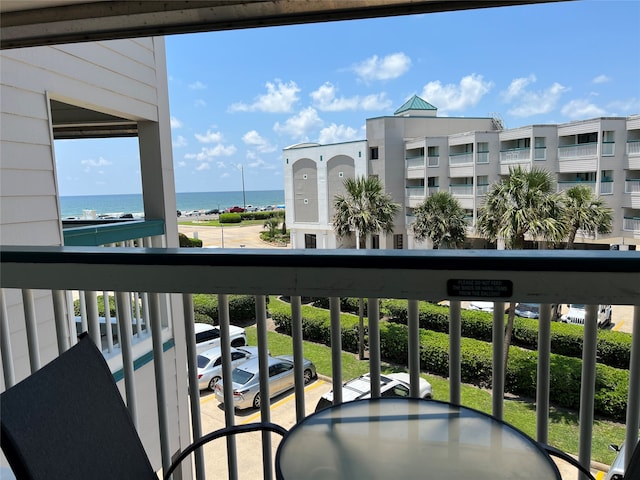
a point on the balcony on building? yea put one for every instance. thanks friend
(578, 152)
(414, 192)
(633, 148)
(415, 162)
(632, 192)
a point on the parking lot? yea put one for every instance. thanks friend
(249, 445)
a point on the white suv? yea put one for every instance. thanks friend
(208, 336)
(391, 385)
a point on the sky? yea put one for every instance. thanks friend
(238, 98)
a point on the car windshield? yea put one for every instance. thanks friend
(202, 361)
(533, 307)
(241, 376)
(579, 306)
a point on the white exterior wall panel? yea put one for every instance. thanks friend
(584, 165)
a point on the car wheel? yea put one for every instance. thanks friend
(239, 342)
(308, 376)
(256, 401)
(212, 383)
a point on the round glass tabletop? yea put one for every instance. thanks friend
(406, 438)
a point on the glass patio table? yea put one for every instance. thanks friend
(407, 438)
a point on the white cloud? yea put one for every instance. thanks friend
(225, 175)
(601, 79)
(175, 123)
(300, 125)
(203, 166)
(454, 97)
(221, 164)
(261, 144)
(179, 141)
(207, 154)
(209, 137)
(528, 102)
(325, 99)
(100, 162)
(385, 68)
(197, 85)
(280, 98)
(182, 163)
(261, 164)
(581, 109)
(336, 134)
(626, 107)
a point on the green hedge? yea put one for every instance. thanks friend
(316, 324)
(476, 358)
(230, 218)
(256, 215)
(185, 241)
(347, 304)
(112, 306)
(613, 348)
(241, 308)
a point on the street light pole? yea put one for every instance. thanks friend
(244, 200)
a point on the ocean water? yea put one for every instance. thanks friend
(73, 206)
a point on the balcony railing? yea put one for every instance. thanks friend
(631, 224)
(570, 152)
(606, 187)
(546, 277)
(566, 185)
(415, 192)
(461, 189)
(415, 162)
(460, 158)
(482, 189)
(433, 161)
(515, 155)
(540, 153)
(633, 147)
(432, 190)
(632, 186)
(608, 149)
(483, 157)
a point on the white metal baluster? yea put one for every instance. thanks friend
(336, 349)
(124, 323)
(373, 316)
(161, 393)
(265, 404)
(71, 319)
(108, 328)
(298, 355)
(62, 326)
(633, 404)
(497, 377)
(83, 311)
(414, 347)
(144, 297)
(93, 322)
(8, 370)
(455, 354)
(544, 374)
(194, 390)
(588, 385)
(32, 329)
(225, 348)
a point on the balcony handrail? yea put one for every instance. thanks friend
(102, 233)
(607, 277)
(577, 144)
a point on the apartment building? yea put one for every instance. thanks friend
(415, 153)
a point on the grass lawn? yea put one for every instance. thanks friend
(563, 427)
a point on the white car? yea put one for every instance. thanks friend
(391, 385)
(210, 364)
(208, 336)
(482, 306)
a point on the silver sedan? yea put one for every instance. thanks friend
(246, 380)
(210, 364)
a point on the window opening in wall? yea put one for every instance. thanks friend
(309, 240)
(588, 137)
(398, 241)
(375, 241)
(373, 153)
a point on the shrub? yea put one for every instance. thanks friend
(256, 215)
(185, 241)
(242, 308)
(230, 218)
(112, 306)
(614, 348)
(347, 304)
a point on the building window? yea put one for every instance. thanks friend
(398, 241)
(375, 241)
(373, 153)
(309, 240)
(540, 150)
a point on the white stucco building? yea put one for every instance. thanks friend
(416, 153)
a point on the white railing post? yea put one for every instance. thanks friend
(588, 385)
(499, 368)
(373, 317)
(62, 327)
(124, 323)
(32, 329)
(633, 404)
(414, 347)
(225, 349)
(298, 355)
(455, 334)
(544, 369)
(5, 340)
(336, 349)
(265, 396)
(93, 322)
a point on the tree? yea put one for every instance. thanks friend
(271, 225)
(523, 204)
(364, 209)
(440, 218)
(587, 212)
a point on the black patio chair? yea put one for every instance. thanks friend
(68, 421)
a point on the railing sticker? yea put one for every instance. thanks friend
(479, 288)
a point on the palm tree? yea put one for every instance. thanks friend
(271, 225)
(587, 212)
(523, 204)
(441, 218)
(364, 209)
